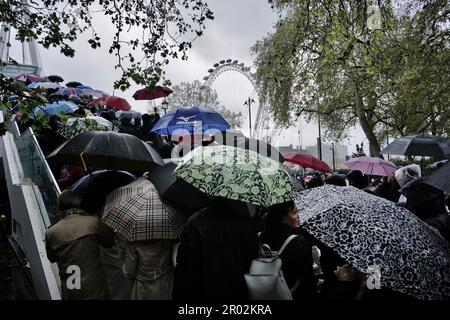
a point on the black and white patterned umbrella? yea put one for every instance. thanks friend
(371, 232)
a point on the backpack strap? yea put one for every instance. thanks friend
(286, 242)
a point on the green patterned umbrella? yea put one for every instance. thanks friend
(75, 126)
(237, 174)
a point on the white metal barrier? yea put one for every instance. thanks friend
(29, 219)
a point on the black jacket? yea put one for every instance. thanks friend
(216, 250)
(442, 223)
(296, 260)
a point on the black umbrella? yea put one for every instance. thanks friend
(73, 84)
(96, 186)
(54, 78)
(108, 150)
(257, 146)
(440, 179)
(420, 145)
(177, 190)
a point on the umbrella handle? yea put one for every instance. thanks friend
(83, 162)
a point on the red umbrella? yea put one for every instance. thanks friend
(113, 102)
(147, 94)
(308, 161)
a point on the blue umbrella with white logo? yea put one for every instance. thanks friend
(192, 120)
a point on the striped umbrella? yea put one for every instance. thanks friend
(137, 212)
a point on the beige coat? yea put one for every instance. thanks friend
(119, 287)
(150, 265)
(74, 240)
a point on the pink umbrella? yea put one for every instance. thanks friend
(28, 77)
(147, 94)
(372, 166)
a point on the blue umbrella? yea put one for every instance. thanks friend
(83, 87)
(44, 85)
(190, 119)
(56, 107)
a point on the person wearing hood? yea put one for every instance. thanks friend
(404, 175)
(217, 247)
(388, 189)
(359, 180)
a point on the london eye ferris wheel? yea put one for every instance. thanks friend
(237, 91)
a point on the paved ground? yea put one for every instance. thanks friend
(13, 282)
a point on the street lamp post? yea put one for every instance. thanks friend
(319, 142)
(248, 103)
(334, 163)
(164, 106)
(319, 139)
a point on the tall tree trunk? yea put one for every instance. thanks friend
(374, 145)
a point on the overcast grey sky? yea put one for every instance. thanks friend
(238, 24)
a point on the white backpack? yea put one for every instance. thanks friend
(265, 281)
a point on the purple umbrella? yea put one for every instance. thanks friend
(28, 77)
(372, 166)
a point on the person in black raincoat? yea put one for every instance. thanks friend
(428, 203)
(217, 247)
(297, 264)
(388, 189)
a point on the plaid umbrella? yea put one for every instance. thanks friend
(236, 174)
(371, 232)
(137, 212)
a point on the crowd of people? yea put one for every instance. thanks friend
(218, 243)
